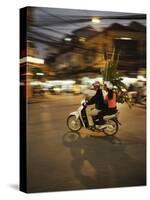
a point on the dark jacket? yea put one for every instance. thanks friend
(97, 99)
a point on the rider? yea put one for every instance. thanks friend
(95, 104)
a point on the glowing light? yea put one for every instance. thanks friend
(40, 74)
(37, 83)
(59, 82)
(96, 20)
(67, 39)
(125, 38)
(141, 78)
(31, 60)
(82, 39)
(128, 80)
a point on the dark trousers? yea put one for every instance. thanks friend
(106, 111)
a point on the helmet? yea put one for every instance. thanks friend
(114, 87)
(96, 84)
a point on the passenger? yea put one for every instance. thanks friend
(109, 107)
(111, 101)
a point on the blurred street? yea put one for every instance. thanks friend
(63, 52)
(91, 162)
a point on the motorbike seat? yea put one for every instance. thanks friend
(110, 116)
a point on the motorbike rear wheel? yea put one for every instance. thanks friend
(113, 129)
(73, 123)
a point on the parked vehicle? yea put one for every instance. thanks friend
(137, 97)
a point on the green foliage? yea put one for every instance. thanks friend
(110, 73)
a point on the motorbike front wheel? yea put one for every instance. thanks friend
(112, 128)
(73, 123)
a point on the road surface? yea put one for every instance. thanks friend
(91, 162)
